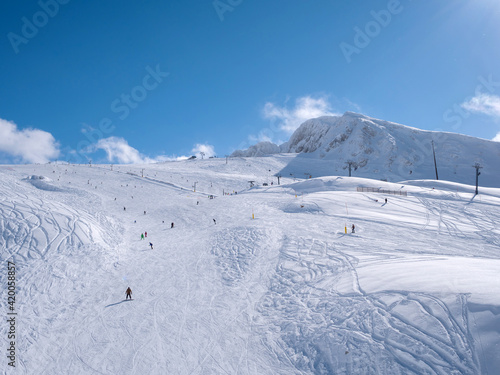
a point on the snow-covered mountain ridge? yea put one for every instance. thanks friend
(386, 150)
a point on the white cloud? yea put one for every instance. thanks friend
(265, 135)
(496, 138)
(484, 103)
(119, 151)
(208, 150)
(30, 145)
(305, 108)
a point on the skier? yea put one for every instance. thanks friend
(150, 244)
(171, 225)
(385, 200)
(142, 236)
(215, 221)
(128, 293)
(144, 212)
(124, 209)
(353, 227)
(146, 234)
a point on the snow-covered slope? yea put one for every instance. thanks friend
(385, 150)
(273, 286)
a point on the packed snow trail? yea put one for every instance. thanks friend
(414, 291)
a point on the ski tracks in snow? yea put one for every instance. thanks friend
(472, 224)
(38, 234)
(325, 323)
(244, 257)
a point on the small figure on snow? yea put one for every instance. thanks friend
(171, 225)
(144, 212)
(214, 221)
(353, 228)
(124, 209)
(385, 200)
(150, 244)
(142, 236)
(145, 234)
(128, 293)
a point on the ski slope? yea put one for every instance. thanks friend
(415, 290)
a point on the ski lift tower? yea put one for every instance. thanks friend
(435, 165)
(478, 167)
(350, 164)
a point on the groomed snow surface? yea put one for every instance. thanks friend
(415, 290)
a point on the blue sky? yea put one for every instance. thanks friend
(129, 81)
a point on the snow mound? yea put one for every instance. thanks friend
(301, 208)
(342, 184)
(42, 183)
(34, 177)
